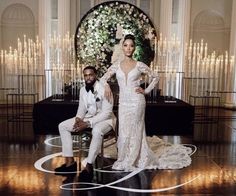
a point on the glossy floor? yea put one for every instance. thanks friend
(212, 171)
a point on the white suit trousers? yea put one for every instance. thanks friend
(98, 131)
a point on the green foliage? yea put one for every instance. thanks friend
(97, 34)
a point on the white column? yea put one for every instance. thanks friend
(231, 98)
(98, 1)
(63, 17)
(1, 36)
(78, 7)
(44, 32)
(166, 18)
(155, 13)
(92, 3)
(183, 35)
(138, 3)
(183, 27)
(73, 16)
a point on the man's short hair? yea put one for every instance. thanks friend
(91, 67)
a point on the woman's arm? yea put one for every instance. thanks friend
(153, 77)
(110, 72)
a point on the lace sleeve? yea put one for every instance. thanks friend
(110, 72)
(153, 77)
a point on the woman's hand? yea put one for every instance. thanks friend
(139, 90)
(108, 93)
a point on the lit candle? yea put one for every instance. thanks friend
(167, 84)
(198, 48)
(212, 63)
(15, 57)
(201, 49)
(226, 58)
(1, 68)
(173, 83)
(202, 76)
(161, 40)
(198, 63)
(216, 74)
(25, 44)
(190, 58)
(10, 60)
(194, 60)
(164, 45)
(205, 50)
(207, 69)
(232, 74)
(1, 57)
(170, 84)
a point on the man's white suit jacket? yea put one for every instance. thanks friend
(94, 107)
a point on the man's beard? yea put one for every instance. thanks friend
(90, 84)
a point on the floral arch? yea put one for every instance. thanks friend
(103, 27)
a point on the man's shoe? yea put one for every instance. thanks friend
(59, 169)
(69, 178)
(85, 176)
(63, 170)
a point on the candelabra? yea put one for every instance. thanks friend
(21, 67)
(203, 74)
(207, 74)
(66, 73)
(166, 65)
(22, 79)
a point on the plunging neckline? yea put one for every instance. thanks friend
(126, 75)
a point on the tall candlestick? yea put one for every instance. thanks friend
(201, 49)
(205, 50)
(167, 84)
(232, 73)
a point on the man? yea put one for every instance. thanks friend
(94, 112)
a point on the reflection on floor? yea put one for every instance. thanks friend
(212, 171)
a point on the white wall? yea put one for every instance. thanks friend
(33, 6)
(221, 6)
(217, 37)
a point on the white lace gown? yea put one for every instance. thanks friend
(133, 149)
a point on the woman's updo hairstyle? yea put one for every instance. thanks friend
(129, 36)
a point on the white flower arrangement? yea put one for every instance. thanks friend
(96, 32)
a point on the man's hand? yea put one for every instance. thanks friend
(83, 125)
(79, 125)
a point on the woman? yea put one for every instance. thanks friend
(133, 151)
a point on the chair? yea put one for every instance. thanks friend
(83, 139)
